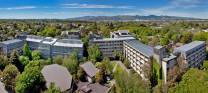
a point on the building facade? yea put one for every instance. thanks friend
(193, 54)
(120, 34)
(139, 55)
(108, 46)
(8, 46)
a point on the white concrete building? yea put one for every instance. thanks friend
(139, 55)
(193, 54)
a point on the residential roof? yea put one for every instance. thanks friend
(189, 46)
(2, 88)
(34, 38)
(140, 47)
(89, 69)
(57, 74)
(84, 87)
(69, 43)
(114, 39)
(11, 41)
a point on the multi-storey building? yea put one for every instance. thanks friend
(34, 41)
(8, 46)
(45, 46)
(193, 54)
(73, 34)
(139, 55)
(108, 46)
(120, 33)
(65, 46)
(167, 64)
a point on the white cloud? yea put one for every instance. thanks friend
(18, 8)
(77, 5)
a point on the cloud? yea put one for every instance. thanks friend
(77, 5)
(18, 8)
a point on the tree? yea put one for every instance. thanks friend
(94, 53)
(14, 59)
(71, 63)
(9, 75)
(81, 74)
(126, 63)
(58, 60)
(31, 79)
(99, 77)
(193, 81)
(26, 50)
(53, 89)
(3, 61)
(205, 65)
(186, 37)
(164, 41)
(24, 60)
(36, 55)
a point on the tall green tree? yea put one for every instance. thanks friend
(9, 77)
(26, 50)
(31, 79)
(36, 55)
(94, 53)
(71, 63)
(14, 59)
(3, 61)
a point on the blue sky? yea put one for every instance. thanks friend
(24, 9)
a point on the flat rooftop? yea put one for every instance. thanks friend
(11, 41)
(114, 39)
(169, 58)
(49, 40)
(140, 47)
(69, 43)
(189, 46)
(34, 38)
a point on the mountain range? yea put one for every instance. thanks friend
(132, 18)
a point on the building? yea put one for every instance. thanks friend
(139, 55)
(108, 46)
(34, 41)
(6, 47)
(66, 46)
(46, 46)
(58, 75)
(167, 64)
(73, 34)
(90, 70)
(86, 87)
(193, 54)
(159, 53)
(120, 34)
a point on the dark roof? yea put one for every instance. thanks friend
(89, 69)
(86, 87)
(57, 74)
(140, 47)
(11, 41)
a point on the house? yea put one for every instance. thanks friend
(59, 75)
(90, 70)
(86, 87)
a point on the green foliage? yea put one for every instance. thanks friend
(53, 89)
(26, 50)
(36, 55)
(94, 53)
(193, 81)
(126, 63)
(3, 61)
(14, 59)
(81, 74)
(202, 36)
(9, 75)
(71, 63)
(186, 37)
(205, 65)
(24, 60)
(99, 77)
(164, 41)
(58, 60)
(31, 79)
(50, 31)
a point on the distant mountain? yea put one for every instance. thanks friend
(131, 18)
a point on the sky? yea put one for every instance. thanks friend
(60, 9)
